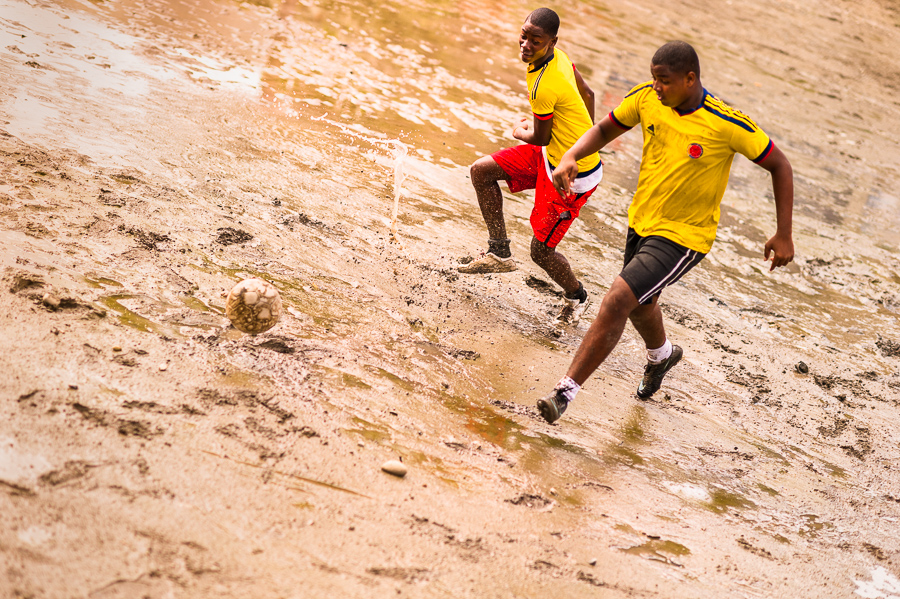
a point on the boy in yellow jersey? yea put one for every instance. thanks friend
(563, 107)
(690, 139)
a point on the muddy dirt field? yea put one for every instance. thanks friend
(153, 154)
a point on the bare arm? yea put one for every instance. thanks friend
(592, 141)
(586, 93)
(536, 134)
(781, 245)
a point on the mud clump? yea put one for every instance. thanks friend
(16, 490)
(404, 574)
(889, 348)
(146, 239)
(683, 317)
(230, 236)
(38, 230)
(757, 383)
(108, 198)
(542, 286)
(860, 452)
(71, 470)
(590, 579)
(212, 396)
(277, 345)
(244, 397)
(302, 219)
(21, 280)
(464, 354)
(125, 428)
(876, 552)
(125, 360)
(840, 425)
(747, 546)
(530, 500)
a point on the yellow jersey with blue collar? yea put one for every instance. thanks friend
(553, 93)
(685, 164)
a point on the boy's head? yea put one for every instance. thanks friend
(676, 74)
(538, 37)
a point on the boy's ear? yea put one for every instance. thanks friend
(691, 78)
(553, 42)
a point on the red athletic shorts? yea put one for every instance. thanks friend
(552, 215)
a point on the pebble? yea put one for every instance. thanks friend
(394, 467)
(802, 368)
(51, 301)
(116, 348)
(163, 366)
(593, 562)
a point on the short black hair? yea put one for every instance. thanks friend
(679, 56)
(546, 19)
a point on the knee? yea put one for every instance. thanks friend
(620, 303)
(639, 316)
(615, 308)
(479, 172)
(638, 319)
(540, 253)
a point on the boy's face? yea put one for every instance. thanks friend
(673, 89)
(534, 44)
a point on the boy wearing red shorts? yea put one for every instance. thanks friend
(563, 107)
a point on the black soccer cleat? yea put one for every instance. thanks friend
(654, 373)
(553, 405)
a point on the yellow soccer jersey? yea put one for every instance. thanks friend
(685, 164)
(553, 93)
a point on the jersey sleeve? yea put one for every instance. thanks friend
(751, 141)
(628, 113)
(543, 101)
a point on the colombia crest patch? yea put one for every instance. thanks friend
(695, 150)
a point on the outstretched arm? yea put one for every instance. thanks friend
(592, 141)
(781, 245)
(586, 93)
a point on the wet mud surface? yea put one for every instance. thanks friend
(154, 154)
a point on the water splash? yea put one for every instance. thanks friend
(399, 151)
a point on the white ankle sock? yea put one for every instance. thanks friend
(661, 353)
(568, 387)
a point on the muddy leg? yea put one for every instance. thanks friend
(605, 331)
(648, 322)
(485, 174)
(555, 265)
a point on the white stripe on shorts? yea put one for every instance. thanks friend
(673, 274)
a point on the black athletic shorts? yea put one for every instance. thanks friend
(653, 263)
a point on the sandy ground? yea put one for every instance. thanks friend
(153, 154)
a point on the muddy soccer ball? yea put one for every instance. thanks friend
(253, 306)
